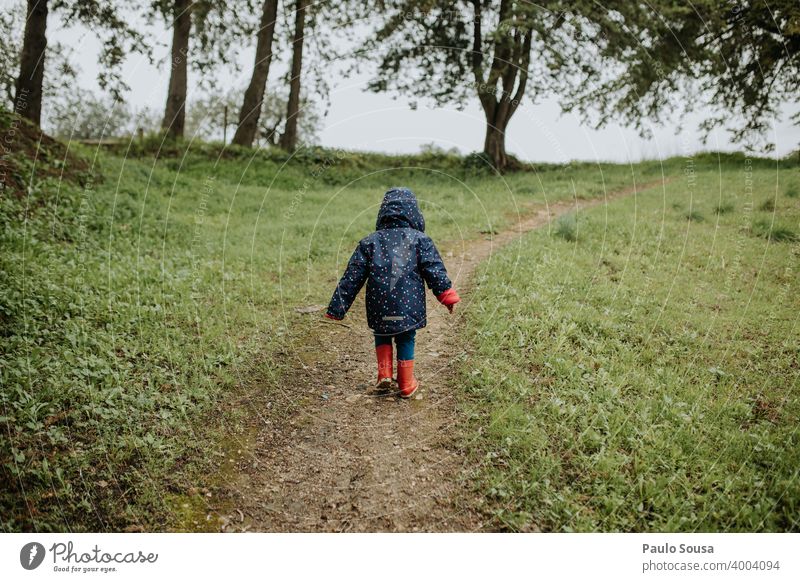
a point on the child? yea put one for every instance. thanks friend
(395, 261)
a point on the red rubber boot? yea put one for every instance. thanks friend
(385, 366)
(405, 378)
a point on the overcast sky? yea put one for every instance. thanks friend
(358, 119)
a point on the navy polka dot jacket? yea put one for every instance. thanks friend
(396, 261)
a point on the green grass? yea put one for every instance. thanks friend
(567, 227)
(724, 208)
(765, 228)
(767, 205)
(145, 316)
(138, 312)
(643, 378)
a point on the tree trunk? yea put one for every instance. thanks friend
(254, 96)
(289, 137)
(175, 110)
(494, 146)
(28, 97)
(499, 111)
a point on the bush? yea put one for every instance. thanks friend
(477, 161)
(694, 215)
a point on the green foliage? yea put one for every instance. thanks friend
(741, 59)
(768, 205)
(59, 75)
(478, 161)
(10, 43)
(450, 52)
(644, 379)
(28, 150)
(114, 29)
(792, 190)
(216, 26)
(694, 216)
(765, 228)
(724, 208)
(80, 114)
(567, 227)
(205, 116)
(134, 309)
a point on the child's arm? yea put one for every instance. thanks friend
(435, 273)
(350, 284)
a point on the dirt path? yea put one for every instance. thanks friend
(351, 460)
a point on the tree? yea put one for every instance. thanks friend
(203, 32)
(634, 62)
(204, 117)
(118, 39)
(175, 109)
(254, 95)
(59, 76)
(80, 114)
(273, 117)
(205, 114)
(288, 140)
(451, 52)
(509, 66)
(742, 59)
(28, 97)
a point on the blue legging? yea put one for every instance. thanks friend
(404, 342)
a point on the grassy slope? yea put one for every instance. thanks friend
(136, 312)
(639, 370)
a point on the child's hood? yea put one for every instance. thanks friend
(399, 209)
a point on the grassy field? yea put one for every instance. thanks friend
(635, 367)
(140, 303)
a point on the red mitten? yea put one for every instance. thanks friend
(449, 298)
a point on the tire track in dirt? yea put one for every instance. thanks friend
(351, 460)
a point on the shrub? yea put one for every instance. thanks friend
(694, 215)
(477, 161)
